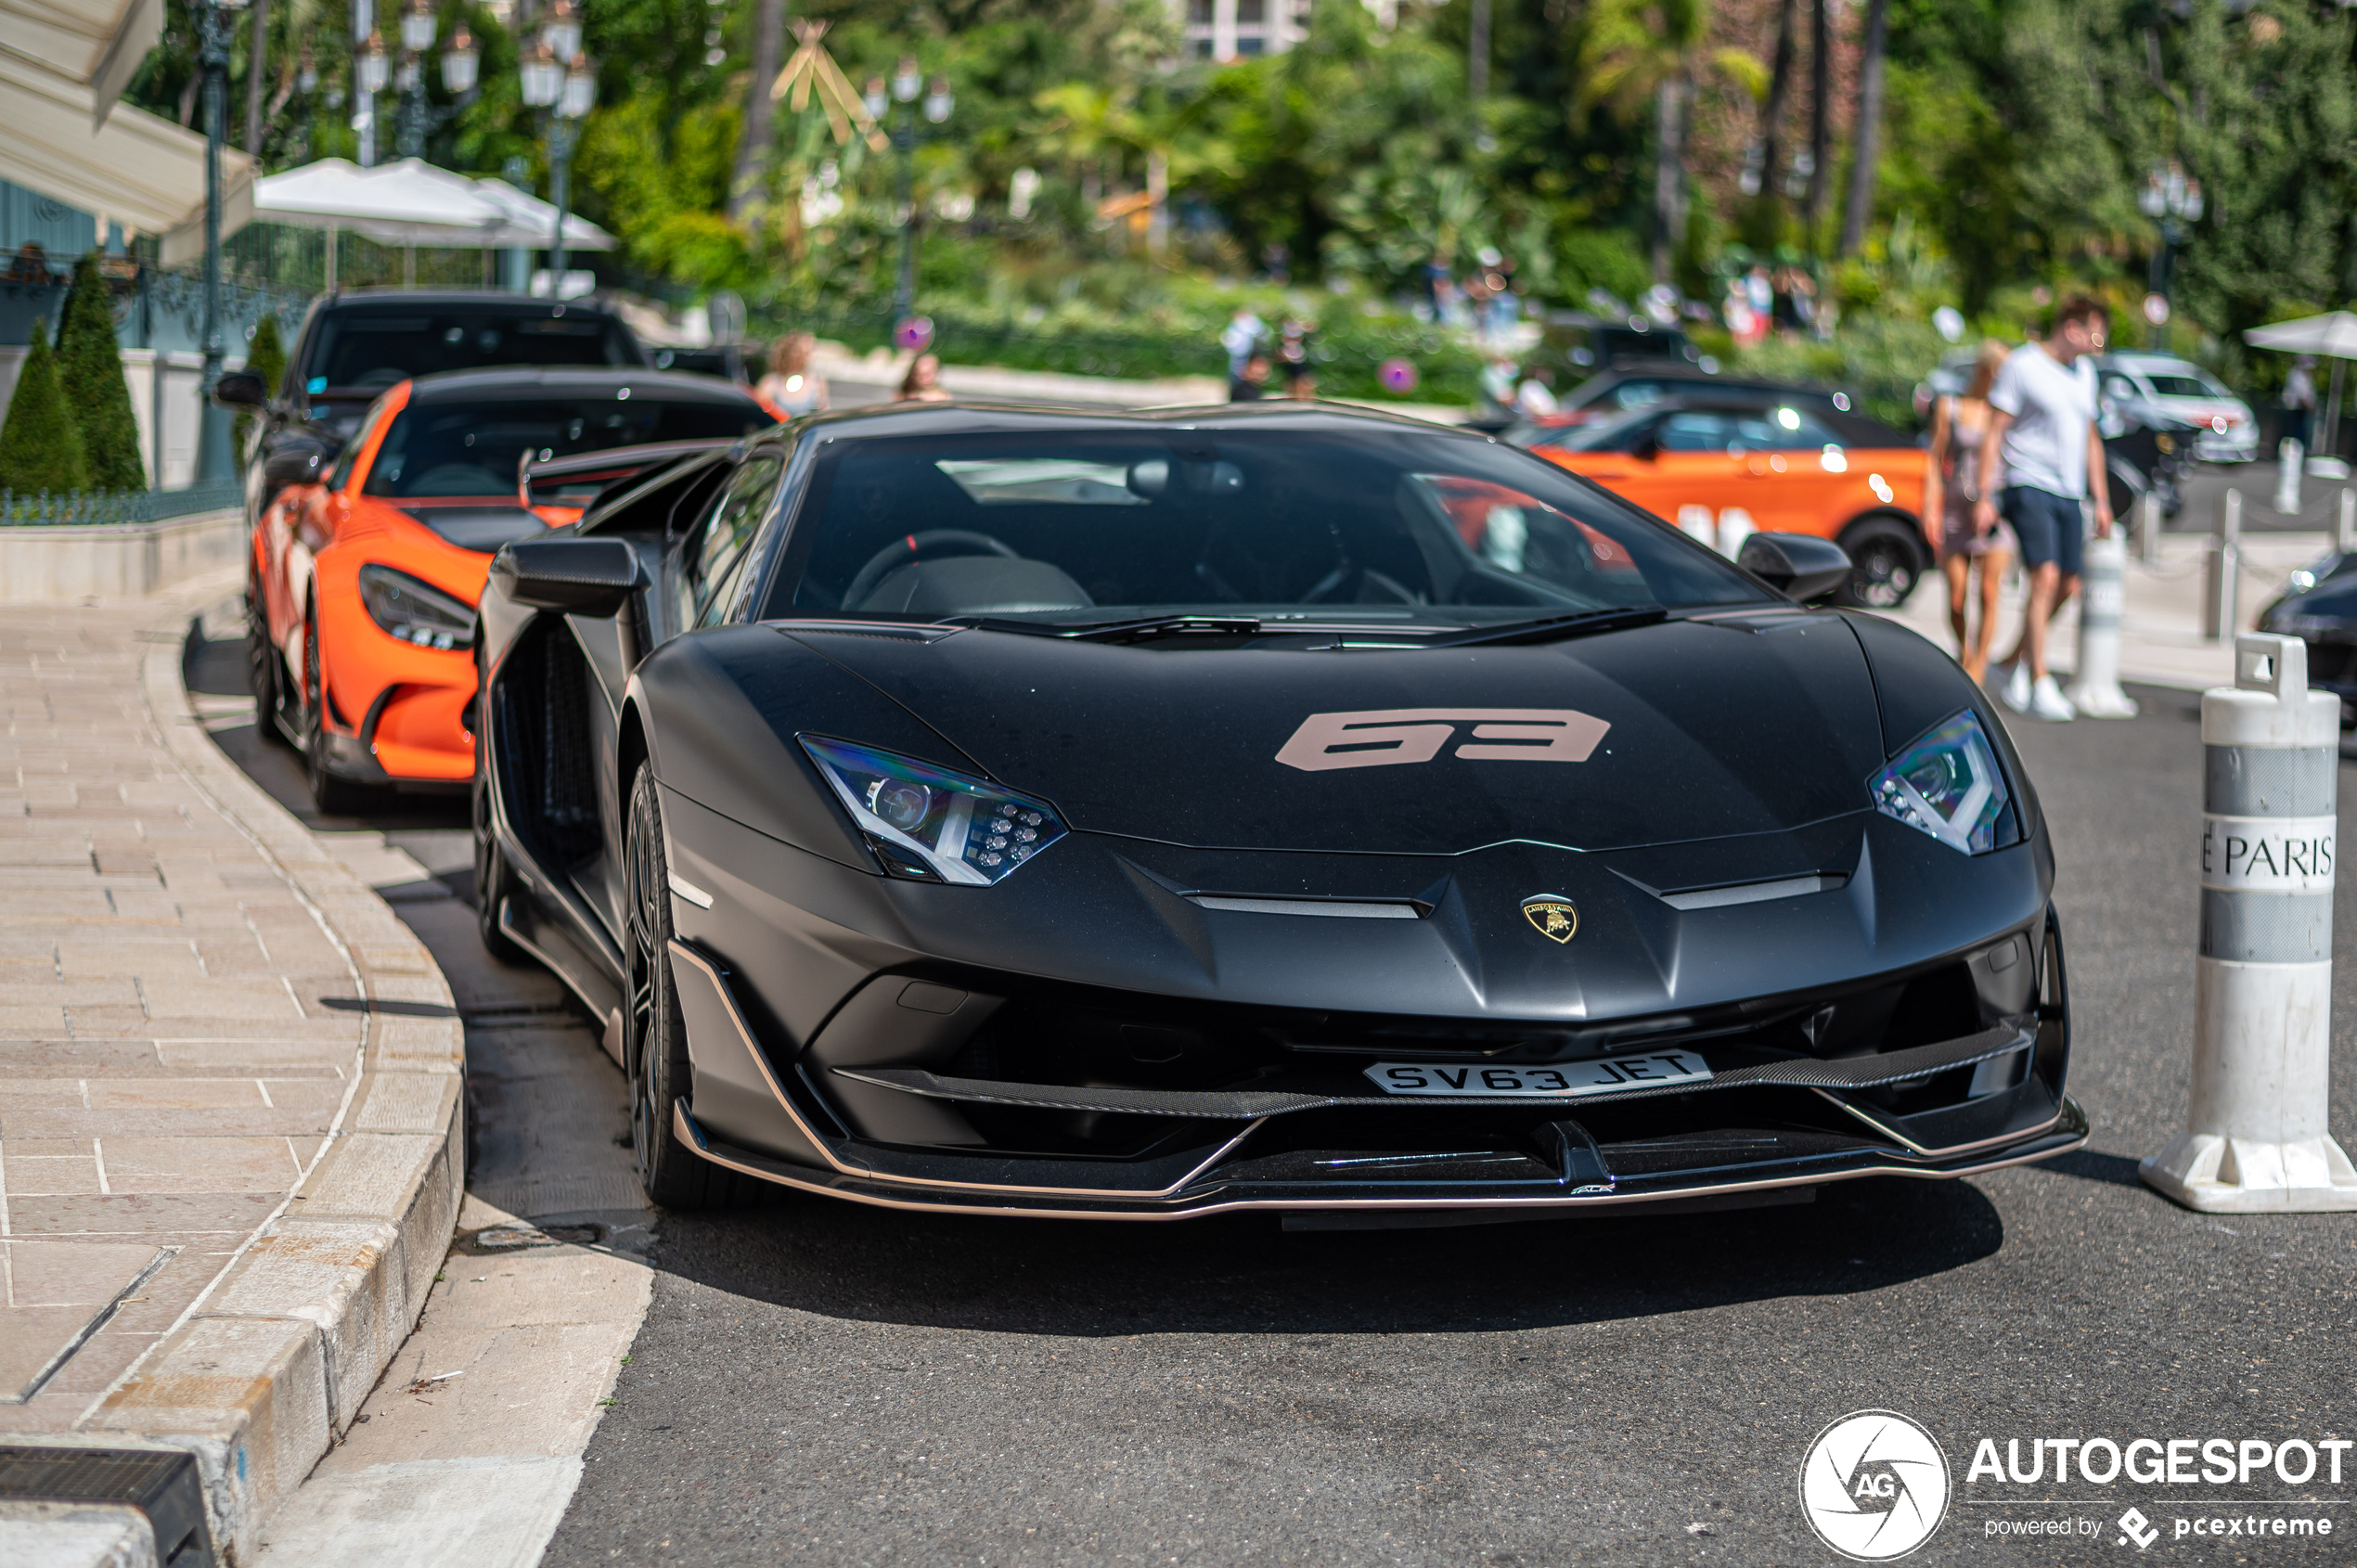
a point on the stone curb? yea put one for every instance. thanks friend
(275, 1358)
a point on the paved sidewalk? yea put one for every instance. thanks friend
(229, 1079)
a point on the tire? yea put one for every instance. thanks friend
(333, 796)
(1887, 561)
(263, 667)
(655, 1040)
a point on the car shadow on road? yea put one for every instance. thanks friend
(1243, 1274)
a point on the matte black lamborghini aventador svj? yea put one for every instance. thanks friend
(1145, 816)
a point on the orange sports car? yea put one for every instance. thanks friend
(363, 583)
(1724, 464)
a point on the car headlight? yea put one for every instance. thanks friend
(415, 611)
(928, 824)
(1947, 783)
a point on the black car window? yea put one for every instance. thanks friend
(444, 449)
(1694, 430)
(714, 555)
(1780, 429)
(1386, 522)
(340, 475)
(369, 350)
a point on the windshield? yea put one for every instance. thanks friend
(1328, 526)
(369, 350)
(2187, 384)
(473, 449)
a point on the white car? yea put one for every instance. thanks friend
(2178, 389)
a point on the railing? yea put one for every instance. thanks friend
(60, 508)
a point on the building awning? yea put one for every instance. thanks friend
(96, 43)
(137, 169)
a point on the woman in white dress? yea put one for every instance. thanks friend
(792, 388)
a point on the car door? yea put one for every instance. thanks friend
(1797, 470)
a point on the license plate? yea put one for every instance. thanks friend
(1568, 1081)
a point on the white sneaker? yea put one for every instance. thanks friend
(2046, 702)
(2016, 690)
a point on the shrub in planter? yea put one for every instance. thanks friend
(90, 375)
(40, 447)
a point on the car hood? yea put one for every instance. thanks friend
(1682, 730)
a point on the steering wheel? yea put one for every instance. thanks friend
(910, 548)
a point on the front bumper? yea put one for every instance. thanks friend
(1770, 1126)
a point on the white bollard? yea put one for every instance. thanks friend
(1735, 527)
(2257, 1139)
(2345, 536)
(2221, 572)
(2288, 456)
(2095, 688)
(2148, 527)
(1698, 524)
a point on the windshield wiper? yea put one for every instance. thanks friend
(1551, 628)
(1115, 631)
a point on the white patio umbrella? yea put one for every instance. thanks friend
(532, 223)
(2331, 336)
(407, 203)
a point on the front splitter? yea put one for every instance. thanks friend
(1212, 1194)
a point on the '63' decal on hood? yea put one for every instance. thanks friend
(1387, 736)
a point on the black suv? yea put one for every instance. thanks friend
(355, 343)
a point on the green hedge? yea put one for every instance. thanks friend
(1347, 355)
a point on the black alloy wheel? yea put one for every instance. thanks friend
(655, 1040)
(263, 666)
(333, 796)
(1885, 560)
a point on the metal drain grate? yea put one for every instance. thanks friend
(163, 1483)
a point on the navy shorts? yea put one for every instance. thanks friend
(2049, 526)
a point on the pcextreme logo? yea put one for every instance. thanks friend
(1875, 1485)
(1389, 737)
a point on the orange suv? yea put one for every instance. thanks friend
(1724, 465)
(366, 580)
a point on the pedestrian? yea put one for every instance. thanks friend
(1241, 338)
(2042, 459)
(1534, 399)
(792, 388)
(923, 384)
(2299, 401)
(1293, 359)
(1497, 385)
(1959, 429)
(1251, 384)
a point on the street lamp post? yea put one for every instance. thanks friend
(558, 78)
(418, 118)
(216, 24)
(371, 70)
(908, 81)
(2172, 200)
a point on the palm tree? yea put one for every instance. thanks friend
(753, 149)
(1864, 152)
(1641, 50)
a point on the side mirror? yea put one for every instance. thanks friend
(301, 463)
(1646, 447)
(1799, 566)
(240, 389)
(575, 575)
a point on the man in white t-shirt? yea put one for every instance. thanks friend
(2046, 454)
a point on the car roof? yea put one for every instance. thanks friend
(497, 301)
(891, 419)
(523, 382)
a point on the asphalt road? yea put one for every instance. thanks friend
(819, 1383)
(824, 1384)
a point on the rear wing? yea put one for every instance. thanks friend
(577, 479)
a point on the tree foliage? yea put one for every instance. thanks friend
(39, 448)
(89, 375)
